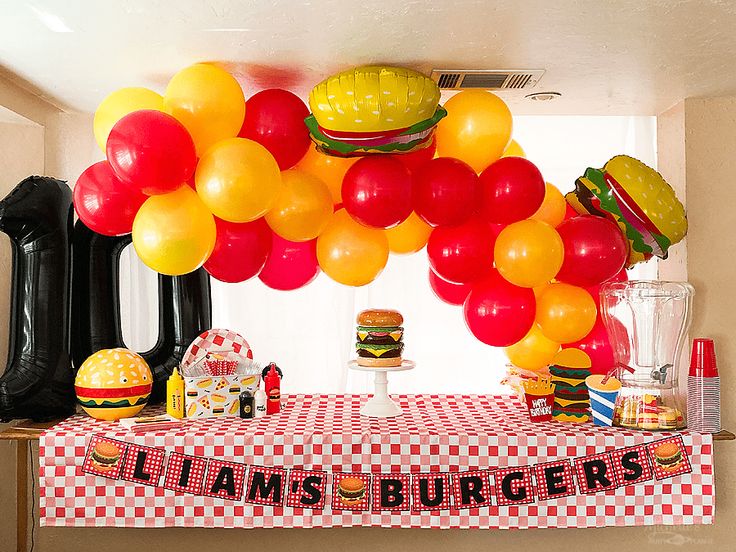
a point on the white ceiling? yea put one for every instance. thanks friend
(604, 56)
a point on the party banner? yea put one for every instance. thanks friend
(416, 491)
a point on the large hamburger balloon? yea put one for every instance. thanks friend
(638, 199)
(113, 384)
(374, 109)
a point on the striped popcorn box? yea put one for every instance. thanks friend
(603, 391)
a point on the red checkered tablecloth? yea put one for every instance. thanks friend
(436, 433)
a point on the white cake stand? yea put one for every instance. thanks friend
(380, 404)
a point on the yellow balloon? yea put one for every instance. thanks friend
(117, 105)
(477, 128)
(208, 101)
(174, 233)
(302, 209)
(534, 352)
(528, 253)
(350, 253)
(553, 208)
(565, 313)
(514, 150)
(238, 179)
(331, 170)
(409, 236)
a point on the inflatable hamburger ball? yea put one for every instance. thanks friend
(113, 384)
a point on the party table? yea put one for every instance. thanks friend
(450, 461)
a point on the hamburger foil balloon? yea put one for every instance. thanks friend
(374, 109)
(113, 384)
(638, 199)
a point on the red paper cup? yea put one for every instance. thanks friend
(540, 406)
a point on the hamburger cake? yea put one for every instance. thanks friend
(638, 200)
(379, 338)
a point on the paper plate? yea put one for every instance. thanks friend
(216, 339)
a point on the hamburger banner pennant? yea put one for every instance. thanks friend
(417, 491)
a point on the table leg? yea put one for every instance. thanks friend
(21, 482)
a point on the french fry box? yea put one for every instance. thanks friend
(210, 396)
(540, 406)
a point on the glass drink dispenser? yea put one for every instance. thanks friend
(647, 323)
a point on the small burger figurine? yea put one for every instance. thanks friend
(351, 490)
(379, 338)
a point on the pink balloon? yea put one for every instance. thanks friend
(453, 294)
(240, 250)
(290, 265)
(105, 203)
(499, 313)
(598, 348)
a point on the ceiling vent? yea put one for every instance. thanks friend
(488, 79)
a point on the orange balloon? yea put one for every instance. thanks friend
(565, 313)
(534, 352)
(208, 101)
(514, 150)
(409, 236)
(302, 209)
(350, 253)
(528, 253)
(327, 168)
(477, 128)
(553, 208)
(174, 233)
(238, 179)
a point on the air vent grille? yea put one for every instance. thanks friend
(491, 79)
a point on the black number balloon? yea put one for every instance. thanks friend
(185, 306)
(38, 381)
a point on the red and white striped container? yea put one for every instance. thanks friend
(703, 389)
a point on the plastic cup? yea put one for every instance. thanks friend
(602, 398)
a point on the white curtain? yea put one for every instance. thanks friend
(310, 332)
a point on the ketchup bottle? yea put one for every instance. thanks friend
(272, 382)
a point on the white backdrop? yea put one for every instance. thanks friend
(309, 333)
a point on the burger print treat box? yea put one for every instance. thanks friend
(209, 396)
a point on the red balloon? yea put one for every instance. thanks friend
(595, 291)
(240, 250)
(151, 151)
(376, 191)
(104, 203)
(445, 192)
(570, 212)
(414, 160)
(453, 294)
(497, 312)
(275, 119)
(595, 250)
(461, 254)
(598, 348)
(511, 189)
(290, 265)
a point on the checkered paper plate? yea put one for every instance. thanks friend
(216, 340)
(450, 434)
